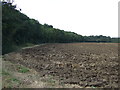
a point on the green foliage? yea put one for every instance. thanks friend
(115, 40)
(14, 80)
(23, 70)
(97, 39)
(18, 30)
(5, 73)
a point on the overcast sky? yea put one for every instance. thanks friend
(85, 17)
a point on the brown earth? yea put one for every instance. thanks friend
(82, 64)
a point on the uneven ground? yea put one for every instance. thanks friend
(69, 65)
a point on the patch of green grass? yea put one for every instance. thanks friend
(14, 80)
(23, 70)
(1, 56)
(5, 73)
(27, 45)
(9, 86)
(11, 82)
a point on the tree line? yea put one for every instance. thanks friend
(18, 30)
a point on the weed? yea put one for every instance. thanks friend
(14, 80)
(23, 70)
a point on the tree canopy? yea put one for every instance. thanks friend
(18, 29)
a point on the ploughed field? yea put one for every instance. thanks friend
(83, 64)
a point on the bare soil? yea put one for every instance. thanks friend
(81, 64)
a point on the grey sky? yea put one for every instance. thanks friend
(85, 17)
